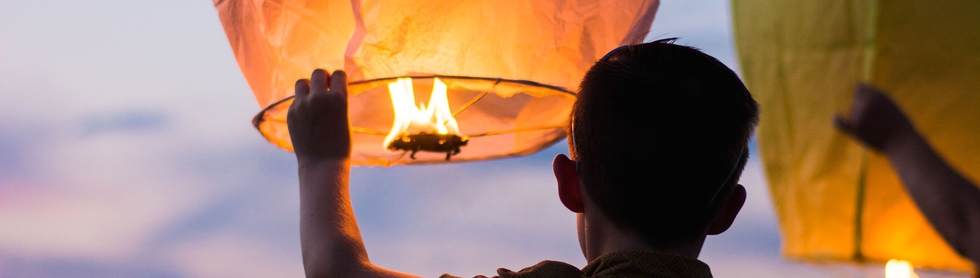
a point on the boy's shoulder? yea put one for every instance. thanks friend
(616, 264)
(544, 269)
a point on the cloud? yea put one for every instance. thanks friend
(230, 255)
(64, 223)
(123, 121)
(74, 198)
(17, 144)
(109, 197)
(200, 222)
(80, 268)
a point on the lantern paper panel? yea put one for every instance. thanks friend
(508, 68)
(836, 200)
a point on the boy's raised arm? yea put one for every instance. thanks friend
(320, 133)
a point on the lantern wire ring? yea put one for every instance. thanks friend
(260, 117)
(469, 103)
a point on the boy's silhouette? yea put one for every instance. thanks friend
(658, 138)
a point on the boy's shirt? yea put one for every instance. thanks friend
(617, 264)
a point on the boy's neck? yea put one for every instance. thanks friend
(603, 237)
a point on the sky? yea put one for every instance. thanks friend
(126, 150)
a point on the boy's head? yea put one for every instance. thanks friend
(659, 135)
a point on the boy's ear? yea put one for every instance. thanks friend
(726, 216)
(568, 183)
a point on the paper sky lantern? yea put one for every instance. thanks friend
(835, 200)
(432, 81)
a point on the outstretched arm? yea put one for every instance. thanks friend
(320, 132)
(948, 200)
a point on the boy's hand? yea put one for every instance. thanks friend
(874, 119)
(317, 119)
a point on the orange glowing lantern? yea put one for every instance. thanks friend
(498, 74)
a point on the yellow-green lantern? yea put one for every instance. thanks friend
(835, 199)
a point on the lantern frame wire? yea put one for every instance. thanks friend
(261, 116)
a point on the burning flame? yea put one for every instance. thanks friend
(899, 269)
(409, 119)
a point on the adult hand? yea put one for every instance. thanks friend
(874, 119)
(317, 119)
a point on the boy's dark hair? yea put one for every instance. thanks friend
(656, 130)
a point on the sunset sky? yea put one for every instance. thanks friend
(126, 150)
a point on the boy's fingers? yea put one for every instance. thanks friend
(319, 81)
(302, 88)
(338, 83)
